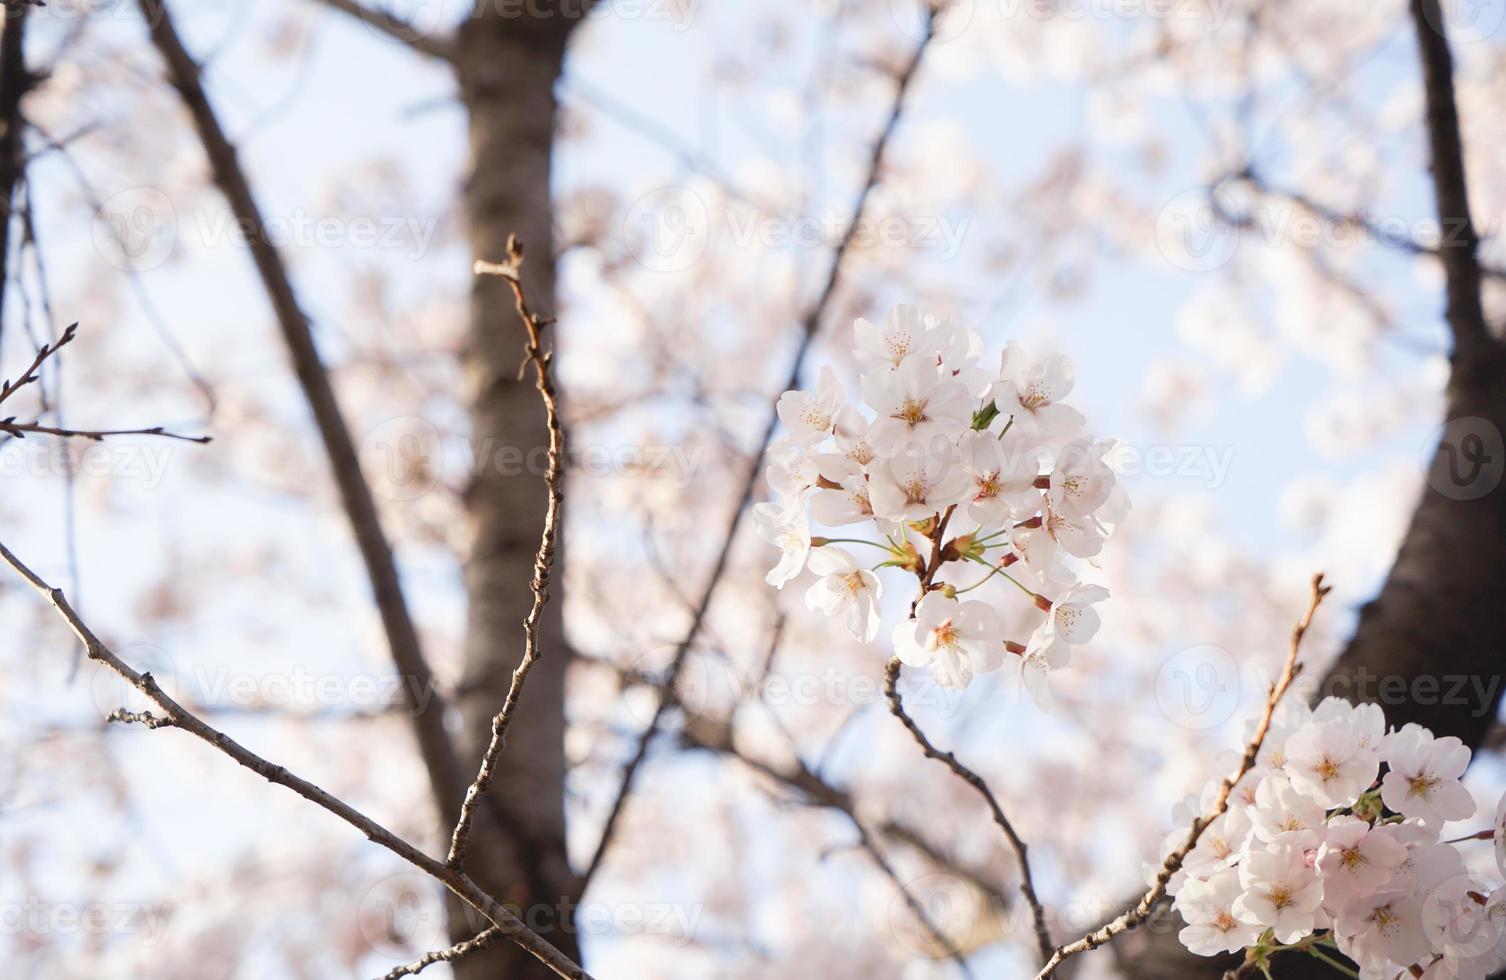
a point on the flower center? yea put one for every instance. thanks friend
(899, 346)
(1326, 769)
(1422, 785)
(1281, 897)
(1352, 858)
(854, 582)
(946, 635)
(988, 486)
(911, 412)
(1034, 396)
(1224, 922)
(915, 490)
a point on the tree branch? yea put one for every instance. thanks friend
(177, 716)
(396, 28)
(427, 713)
(810, 326)
(15, 82)
(455, 952)
(1459, 245)
(542, 360)
(1147, 904)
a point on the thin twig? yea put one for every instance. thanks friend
(916, 908)
(33, 372)
(486, 938)
(543, 561)
(1173, 863)
(177, 716)
(897, 708)
(810, 326)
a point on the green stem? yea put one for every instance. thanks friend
(1312, 951)
(872, 544)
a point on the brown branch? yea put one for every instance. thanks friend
(177, 716)
(355, 495)
(1339, 219)
(15, 82)
(21, 430)
(916, 908)
(543, 561)
(1173, 863)
(1021, 850)
(396, 28)
(32, 374)
(897, 708)
(486, 938)
(810, 326)
(1458, 248)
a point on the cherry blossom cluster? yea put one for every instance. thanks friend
(959, 473)
(1321, 851)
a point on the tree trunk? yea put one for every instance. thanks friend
(507, 68)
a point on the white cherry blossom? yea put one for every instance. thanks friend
(1327, 761)
(1030, 393)
(808, 418)
(1208, 907)
(917, 406)
(1356, 859)
(1001, 478)
(1424, 778)
(789, 531)
(848, 588)
(914, 485)
(1281, 892)
(954, 639)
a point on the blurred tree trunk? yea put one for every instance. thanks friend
(507, 67)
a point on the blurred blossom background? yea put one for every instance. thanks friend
(1150, 188)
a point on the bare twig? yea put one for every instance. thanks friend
(355, 495)
(33, 373)
(897, 708)
(810, 326)
(486, 938)
(918, 910)
(177, 716)
(543, 561)
(396, 28)
(1173, 863)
